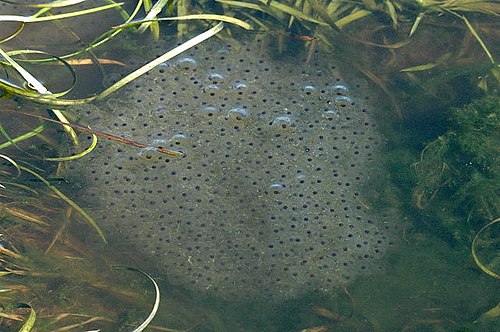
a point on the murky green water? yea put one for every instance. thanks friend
(428, 280)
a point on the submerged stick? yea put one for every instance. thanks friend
(105, 135)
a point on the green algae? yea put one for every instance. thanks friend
(458, 173)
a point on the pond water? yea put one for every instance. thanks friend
(293, 208)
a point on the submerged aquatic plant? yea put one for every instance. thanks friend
(458, 173)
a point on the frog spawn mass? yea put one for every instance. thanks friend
(268, 200)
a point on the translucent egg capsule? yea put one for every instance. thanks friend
(340, 89)
(239, 86)
(283, 124)
(276, 188)
(331, 112)
(215, 77)
(187, 63)
(210, 89)
(160, 112)
(308, 89)
(178, 139)
(210, 110)
(342, 102)
(238, 114)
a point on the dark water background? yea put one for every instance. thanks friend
(430, 282)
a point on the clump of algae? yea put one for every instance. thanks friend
(458, 173)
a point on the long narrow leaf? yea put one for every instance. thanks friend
(167, 56)
(53, 4)
(156, 305)
(292, 11)
(51, 100)
(32, 19)
(223, 18)
(22, 137)
(68, 201)
(30, 322)
(79, 155)
(153, 12)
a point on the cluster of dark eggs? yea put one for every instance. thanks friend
(269, 198)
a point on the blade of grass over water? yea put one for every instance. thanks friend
(165, 57)
(48, 98)
(105, 135)
(479, 39)
(150, 18)
(35, 84)
(20, 214)
(475, 255)
(156, 305)
(68, 201)
(323, 14)
(30, 322)
(60, 230)
(53, 4)
(106, 36)
(215, 17)
(255, 6)
(292, 11)
(88, 150)
(20, 138)
(33, 19)
(13, 162)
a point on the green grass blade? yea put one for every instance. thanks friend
(13, 162)
(11, 141)
(30, 79)
(30, 322)
(223, 18)
(323, 13)
(150, 18)
(156, 305)
(355, 15)
(34, 84)
(167, 56)
(292, 11)
(478, 38)
(68, 201)
(53, 4)
(32, 19)
(392, 12)
(79, 155)
(255, 6)
(416, 24)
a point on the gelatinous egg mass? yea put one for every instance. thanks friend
(269, 199)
